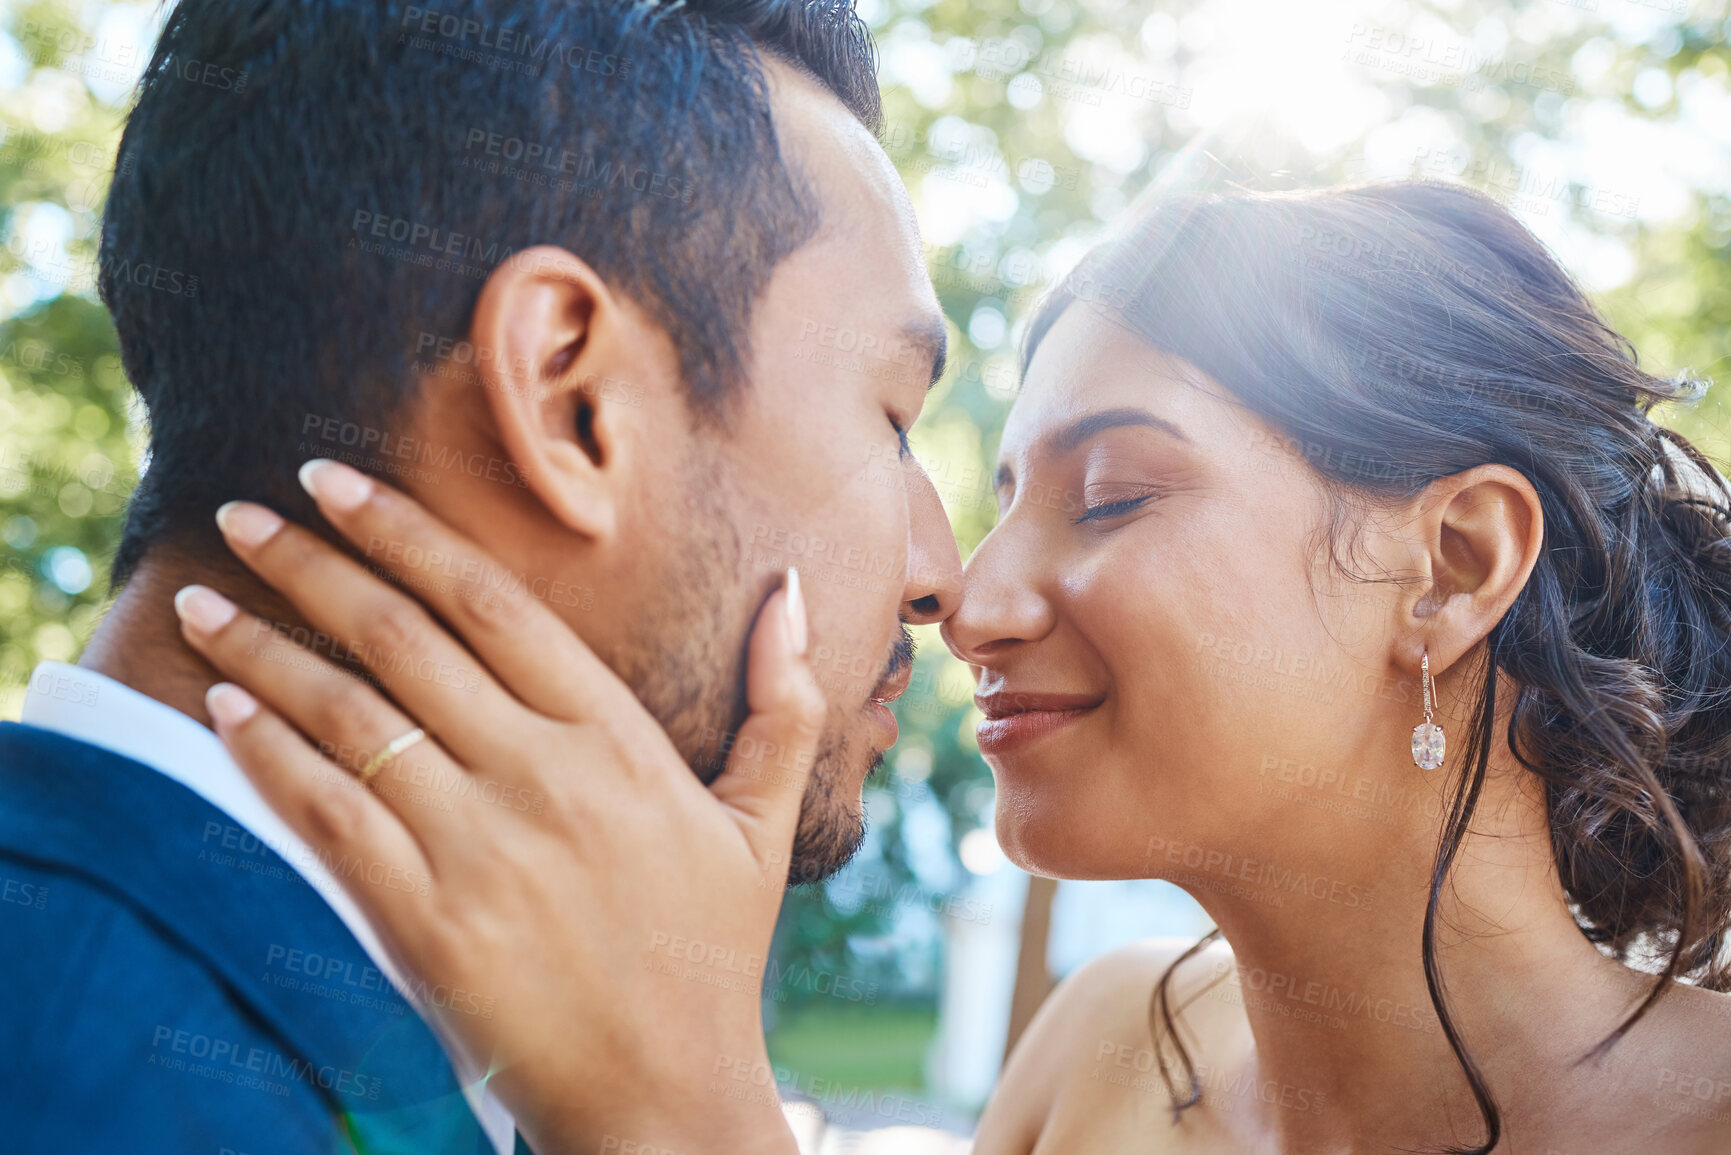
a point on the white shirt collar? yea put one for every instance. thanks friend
(95, 709)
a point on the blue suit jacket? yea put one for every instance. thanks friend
(169, 984)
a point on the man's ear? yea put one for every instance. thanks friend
(544, 324)
(1479, 533)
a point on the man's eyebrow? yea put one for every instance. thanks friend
(1081, 429)
(928, 335)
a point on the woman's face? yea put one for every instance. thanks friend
(1176, 680)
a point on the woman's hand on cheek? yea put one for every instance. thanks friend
(597, 918)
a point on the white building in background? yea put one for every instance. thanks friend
(1091, 918)
(974, 1000)
(1088, 919)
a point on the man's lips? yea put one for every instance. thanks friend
(1008, 703)
(883, 694)
(895, 685)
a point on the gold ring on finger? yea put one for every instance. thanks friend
(378, 761)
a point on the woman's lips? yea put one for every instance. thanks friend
(1015, 719)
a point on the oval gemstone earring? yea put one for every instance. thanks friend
(1427, 736)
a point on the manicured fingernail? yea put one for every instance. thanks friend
(334, 484)
(795, 612)
(246, 523)
(203, 608)
(228, 704)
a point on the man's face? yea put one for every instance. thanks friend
(810, 472)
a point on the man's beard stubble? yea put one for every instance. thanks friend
(689, 671)
(832, 823)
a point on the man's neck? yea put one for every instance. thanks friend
(139, 642)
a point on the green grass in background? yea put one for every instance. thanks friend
(870, 1048)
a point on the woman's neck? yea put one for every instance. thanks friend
(1337, 1000)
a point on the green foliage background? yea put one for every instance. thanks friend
(957, 91)
(68, 449)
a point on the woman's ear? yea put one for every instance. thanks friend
(544, 324)
(1479, 535)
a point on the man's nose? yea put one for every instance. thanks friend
(934, 585)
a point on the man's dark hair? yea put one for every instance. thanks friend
(310, 195)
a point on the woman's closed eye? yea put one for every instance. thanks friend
(1113, 502)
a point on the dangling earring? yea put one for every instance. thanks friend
(1427, 736)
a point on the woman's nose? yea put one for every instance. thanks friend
(1001, 601)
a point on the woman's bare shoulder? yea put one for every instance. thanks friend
(1686, 1068)
(1097, 1020)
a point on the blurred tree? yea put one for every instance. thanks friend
(68, 448)
(1022, 128)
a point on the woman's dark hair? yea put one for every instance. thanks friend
(1400, 333)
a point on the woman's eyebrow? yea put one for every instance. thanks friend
(1081, 429)
(1074, 434)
